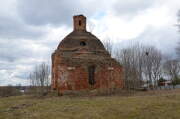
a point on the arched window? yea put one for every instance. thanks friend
(79, 22)
(91, 74)
(82, 43)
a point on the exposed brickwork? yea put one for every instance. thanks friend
(73, 60)
(79, 22)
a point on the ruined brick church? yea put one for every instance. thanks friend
(81, 62)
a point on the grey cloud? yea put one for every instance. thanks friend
(54, 12)
(14, 28)
(9, 78)
(131, 7)
(16, 60)
(164, 38)
(13, 49)
(4, 66)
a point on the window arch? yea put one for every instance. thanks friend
(80, 23)
(82, 43)
(91, 74)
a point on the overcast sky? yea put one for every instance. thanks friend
(30, 30)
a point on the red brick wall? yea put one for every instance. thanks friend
(76, 78)
(77, 26)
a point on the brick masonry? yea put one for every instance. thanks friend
(74, 56)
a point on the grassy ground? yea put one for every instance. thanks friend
(152, 106)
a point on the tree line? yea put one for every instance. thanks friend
(145, 66)
(40, 80)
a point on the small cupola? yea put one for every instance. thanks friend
(79, 23)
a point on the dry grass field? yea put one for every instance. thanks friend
(147, 105)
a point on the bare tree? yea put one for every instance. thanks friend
(130, 73)
(156, 69)
(40, 79)
(141, 64)
(172, 69)
(132, 60)
(108, 45)
(152, 66)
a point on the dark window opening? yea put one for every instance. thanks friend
(82, 43)
(79, 23)
(91, 71)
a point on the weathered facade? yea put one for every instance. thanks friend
(81, 62)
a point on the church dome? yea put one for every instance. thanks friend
(79, 38)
